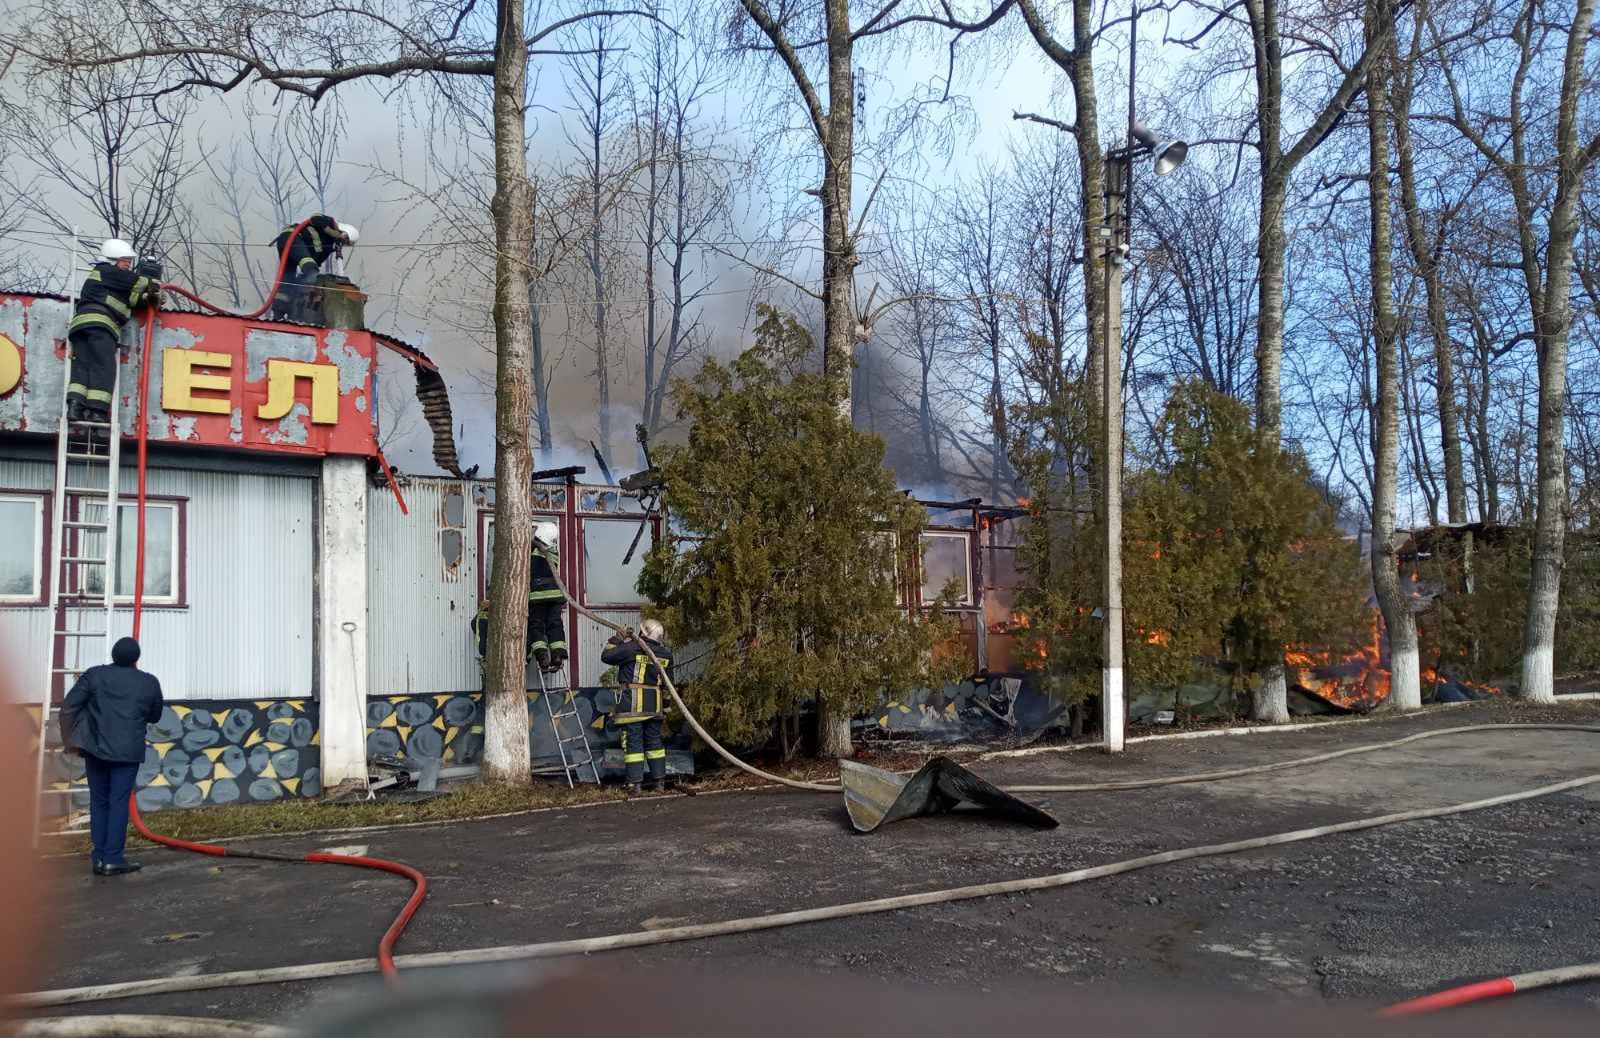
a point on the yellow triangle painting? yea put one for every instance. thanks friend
(214, 752)
(268, 771)
(439, 701)
(390, 721)
(292, 785)
(205, 787)
(405, 733)
(219, 716)
(162, 747)
(159, 780)
(274, 746)
(263, 704)
(181, 710)
(316, 739)
(297, 704)
(221, 771)
(450, 735)
(438, 722)
(255, 737)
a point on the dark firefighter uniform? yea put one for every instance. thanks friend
(547, 633)
(640, 695)
(107, 301)
(308, 251)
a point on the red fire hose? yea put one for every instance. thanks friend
(419, 881)
(1500, 987)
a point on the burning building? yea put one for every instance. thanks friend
(303, 608)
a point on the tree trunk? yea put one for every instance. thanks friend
(505, 749)
(1424, 256)
(1405, 691)
(541, 384)
(1092, 177)
(1269, 703)
(838, 257)
(1552, 325)
(833, 732)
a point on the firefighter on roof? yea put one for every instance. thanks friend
(547, 636)
(321, 238)
(639, 701)
(109, 295)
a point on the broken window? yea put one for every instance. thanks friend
(605, 578)
(945, 558)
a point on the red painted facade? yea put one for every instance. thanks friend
(213, 381)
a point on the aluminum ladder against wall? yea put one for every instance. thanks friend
(83, 546)
(581, 755)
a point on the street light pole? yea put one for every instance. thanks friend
(1114, 240)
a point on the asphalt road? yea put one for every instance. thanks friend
(1361, 918)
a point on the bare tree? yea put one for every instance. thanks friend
(100, 139)
(1541, 156)
(594, 86)
(1393, 602)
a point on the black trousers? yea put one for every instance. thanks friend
(641, 746)
(94, 367)
(110, 783)
(546, 627)
(293, 301)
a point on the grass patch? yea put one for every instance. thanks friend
(288, 817)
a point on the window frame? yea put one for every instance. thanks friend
(41, 549)
(485, 559)
(633, 523)
(179, 599)
(969, 599)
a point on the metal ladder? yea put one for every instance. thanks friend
(83, 547)
(582, 755)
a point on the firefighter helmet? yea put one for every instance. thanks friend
(546, 534)
(653, 630)
(116, 249)
(350, 233)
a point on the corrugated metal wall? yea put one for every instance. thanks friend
(423, 589)
(246, 632)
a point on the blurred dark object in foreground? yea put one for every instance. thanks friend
(668, 1003)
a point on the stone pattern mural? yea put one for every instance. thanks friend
(211, 752)
(449, 728)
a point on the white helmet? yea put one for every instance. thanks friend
(546, 534)
(653, 630)
(116, 249)
(350, 232)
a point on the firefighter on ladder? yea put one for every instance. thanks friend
(108, 298)
(547, 636)
(639, 702)
(321, 238)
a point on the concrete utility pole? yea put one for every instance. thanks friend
(1115, 237)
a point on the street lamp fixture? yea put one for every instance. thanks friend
(1169, 154)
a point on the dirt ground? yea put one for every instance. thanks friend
(1360, 918)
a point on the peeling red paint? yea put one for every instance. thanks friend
(349, 365)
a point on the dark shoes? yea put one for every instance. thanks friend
(541, 657)
(121, 869)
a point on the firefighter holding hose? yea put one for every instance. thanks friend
(321, 238)
(639, 702)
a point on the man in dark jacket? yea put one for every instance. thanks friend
(103, 718)
(547, 634)
(640, 693)
(108, 298)
(320, 238)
